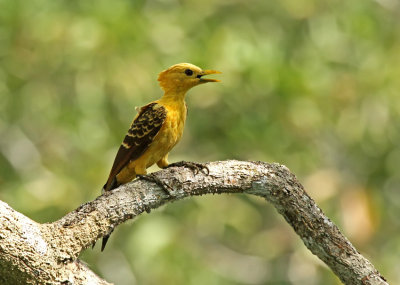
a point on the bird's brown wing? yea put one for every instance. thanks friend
(140, 135)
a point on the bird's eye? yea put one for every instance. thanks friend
(189, 72)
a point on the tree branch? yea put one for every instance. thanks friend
(48, 253)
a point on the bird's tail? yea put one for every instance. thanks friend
(108, 187)
(105, 240)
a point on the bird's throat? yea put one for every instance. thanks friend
(174, 97)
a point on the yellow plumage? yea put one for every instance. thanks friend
(167, 137)
(158, 127)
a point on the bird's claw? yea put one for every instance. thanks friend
(152, 178)
(194, 166)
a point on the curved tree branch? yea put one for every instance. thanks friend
(48, 253)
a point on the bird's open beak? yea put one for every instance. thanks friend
(207, 72)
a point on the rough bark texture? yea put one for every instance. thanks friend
(48, 253)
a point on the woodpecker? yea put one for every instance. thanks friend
(157, 127)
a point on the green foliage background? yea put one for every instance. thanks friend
(310, 84)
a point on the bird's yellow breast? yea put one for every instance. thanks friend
(169, 134)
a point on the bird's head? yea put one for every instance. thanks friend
(183, 76)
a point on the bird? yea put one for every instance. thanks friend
(157, 128)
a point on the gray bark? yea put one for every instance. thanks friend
(48, 253)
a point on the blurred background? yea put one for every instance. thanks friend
(309, 84)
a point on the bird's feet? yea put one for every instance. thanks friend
(194, 166)
(152, 178)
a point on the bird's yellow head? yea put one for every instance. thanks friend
(183, 76)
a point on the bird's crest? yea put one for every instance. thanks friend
(183, 76)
